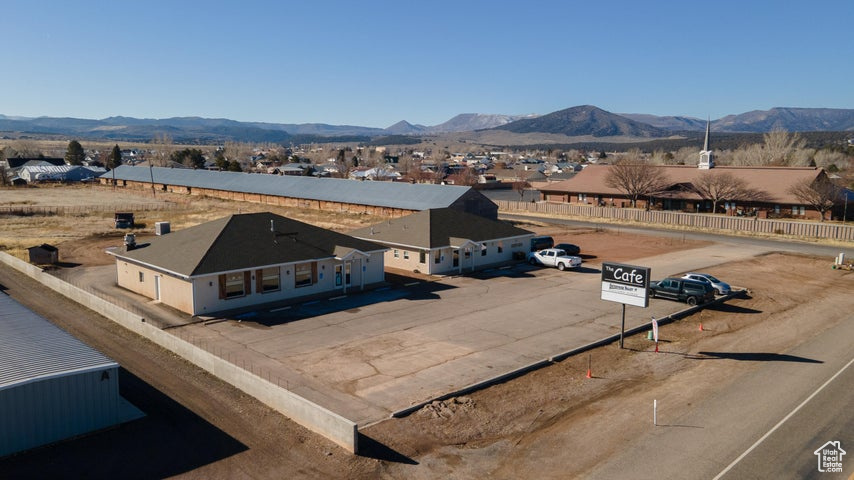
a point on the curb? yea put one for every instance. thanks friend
(518, 372)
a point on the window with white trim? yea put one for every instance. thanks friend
(270, 281)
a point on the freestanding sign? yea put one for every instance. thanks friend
(626, 284)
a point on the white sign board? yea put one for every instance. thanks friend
(627, 284)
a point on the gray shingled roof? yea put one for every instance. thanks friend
(241, 242)
(407, 196)
(32, 348)
(435, 228)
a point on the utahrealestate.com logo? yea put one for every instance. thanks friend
(830, 457)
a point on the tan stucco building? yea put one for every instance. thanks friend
(444, 240)
(245, 260)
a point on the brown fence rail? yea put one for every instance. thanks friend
(833, 231)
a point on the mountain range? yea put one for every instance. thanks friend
(580, 121)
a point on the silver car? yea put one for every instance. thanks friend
(721, 287)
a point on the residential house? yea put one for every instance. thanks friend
(444, 240)
(375, 173)
(15, 163)
(62, 173)
(244, 260)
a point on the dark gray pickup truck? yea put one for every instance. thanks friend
(682, 290)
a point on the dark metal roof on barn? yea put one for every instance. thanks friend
(31, 348)
(437, 228)
(246, 241)
(405, 196)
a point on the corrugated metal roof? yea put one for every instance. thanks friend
(60, 168)
(407, 196)
(32, 348)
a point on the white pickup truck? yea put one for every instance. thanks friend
(554, 257)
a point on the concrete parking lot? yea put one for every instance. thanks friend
(367, 355)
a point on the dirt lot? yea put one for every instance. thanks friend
(537, 425)
(86, 226)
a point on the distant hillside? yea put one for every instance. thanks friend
(468, 122)
(668, 123)
(405, 128)
(760, 121)
(564, 126)
(789, 119)
(186, 129)
(584, 120)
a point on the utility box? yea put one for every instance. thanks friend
(161, 228)
(43, 254)
(124, 220)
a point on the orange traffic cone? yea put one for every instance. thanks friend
(589, 374)
(701, 326)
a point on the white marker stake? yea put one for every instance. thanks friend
(655, 412)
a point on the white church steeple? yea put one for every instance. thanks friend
(706, 159)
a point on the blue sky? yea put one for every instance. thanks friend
(373, 63)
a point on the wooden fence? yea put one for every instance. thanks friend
(27, 210)
(834, 231)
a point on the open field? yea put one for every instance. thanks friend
(83, 227)
(541, 424)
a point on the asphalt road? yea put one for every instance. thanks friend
(766, 424)
(783, 245)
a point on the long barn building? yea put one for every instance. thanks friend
(391, 199)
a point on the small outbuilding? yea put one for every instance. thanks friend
(52, 386)
(43, 254)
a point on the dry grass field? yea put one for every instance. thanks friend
(71, 216)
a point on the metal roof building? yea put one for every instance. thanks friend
(52, 386)
(405, 197)
(59, 173)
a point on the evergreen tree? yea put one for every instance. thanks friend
(191, 157)
(234, 166)
(115, 158)
(75, 154)
(220, 160)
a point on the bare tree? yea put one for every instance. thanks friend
(238, 152)
(780, 146)
(826, 158)
(636, 178)
(717, 187)
(748, 155)
(521, 184)
(163, 149)
(4, 176)
(685, 156)
(25, 148)
(820, 194)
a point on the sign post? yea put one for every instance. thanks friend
(655, 333)
(626, 284)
